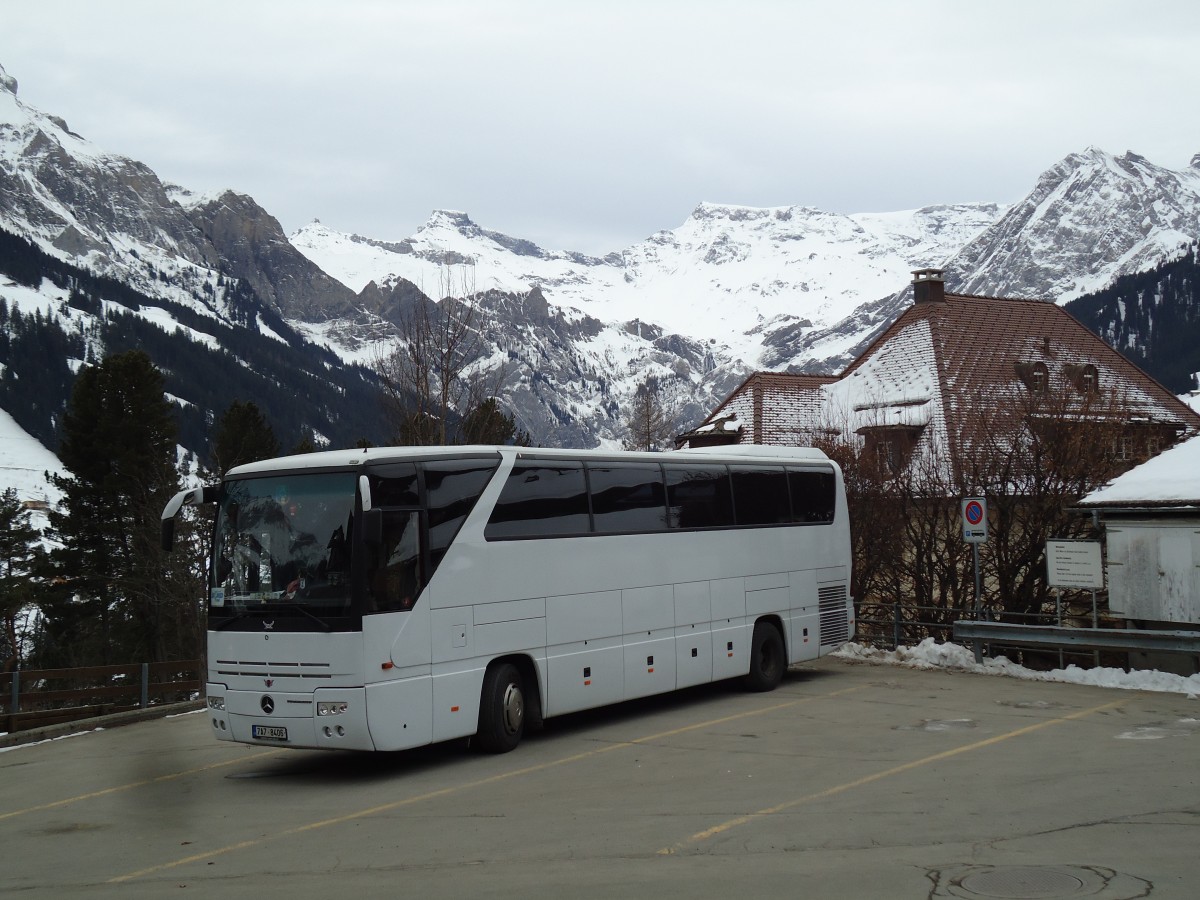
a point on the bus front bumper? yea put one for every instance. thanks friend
(327, 719)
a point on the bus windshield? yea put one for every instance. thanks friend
(284, 541)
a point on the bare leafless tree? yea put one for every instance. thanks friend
(1032, 454)
(436, 370)
(1034, 457)
(651, 424)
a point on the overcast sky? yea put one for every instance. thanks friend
(591, 125)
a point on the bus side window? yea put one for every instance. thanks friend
(452, 488)
(395, 485)
(541, 499)
(760, 495)
(814, 495)
(698, 496)
(396, 581)
(627, 498)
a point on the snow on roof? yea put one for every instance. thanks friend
(1172, 477)
(897, 386)
(729, 424)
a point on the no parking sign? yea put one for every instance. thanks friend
(974, 518)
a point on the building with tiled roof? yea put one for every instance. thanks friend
(945, 360)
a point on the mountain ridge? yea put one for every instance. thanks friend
(699, 306)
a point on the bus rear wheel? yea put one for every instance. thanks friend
(766, 658)
(501, 710)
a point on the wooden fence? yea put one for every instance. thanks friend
(36, 697)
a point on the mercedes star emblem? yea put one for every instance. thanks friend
(268, 705)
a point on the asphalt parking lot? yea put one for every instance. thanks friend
(850, 780)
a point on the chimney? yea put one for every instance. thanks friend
(929, 286)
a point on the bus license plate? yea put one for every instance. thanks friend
(268, 732)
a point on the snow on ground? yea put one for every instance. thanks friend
(929, 654)
(23, 460)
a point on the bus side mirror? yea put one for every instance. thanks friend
(190, 497)
(373, 527)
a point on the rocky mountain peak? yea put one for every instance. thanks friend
(452, 219)
(1091, 217)
(7, 82)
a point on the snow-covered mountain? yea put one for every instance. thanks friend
(730, 290)
(731, 274)
(1091, 218)
(114, 216)
(699, 306)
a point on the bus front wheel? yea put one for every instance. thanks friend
(766, 658)
(501, 710)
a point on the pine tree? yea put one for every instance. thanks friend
(243, 435)
(18, 550)
(487, 424)
(118, 598)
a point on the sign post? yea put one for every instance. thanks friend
(1075, 564)
(974, 521)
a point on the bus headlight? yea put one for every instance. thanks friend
(331, 708)
(216, 703)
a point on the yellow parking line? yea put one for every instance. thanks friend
(702, 836)
(483, 782)
(135, 784)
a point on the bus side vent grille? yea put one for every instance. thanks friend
(835, 625)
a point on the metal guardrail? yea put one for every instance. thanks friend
(891, 625)
(979, 633)
(37, 697)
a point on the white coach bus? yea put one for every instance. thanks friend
(387, 598)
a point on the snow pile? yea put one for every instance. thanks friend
(929, 654)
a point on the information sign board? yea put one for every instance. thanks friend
(1074, 564)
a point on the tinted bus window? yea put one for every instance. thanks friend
(760, 495)
(813, 495)
(396, 581)
(394, 485)
(452, 488)
(627, 498)
(541, 499)
(698, 496)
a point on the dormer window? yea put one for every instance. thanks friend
(1085, 377)
(891, 446)
(1034, 376)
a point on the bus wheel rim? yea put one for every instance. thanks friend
(513, 707)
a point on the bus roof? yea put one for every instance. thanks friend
(345, 459)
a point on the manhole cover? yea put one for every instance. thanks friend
(1026, 883)
(1036, 883)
